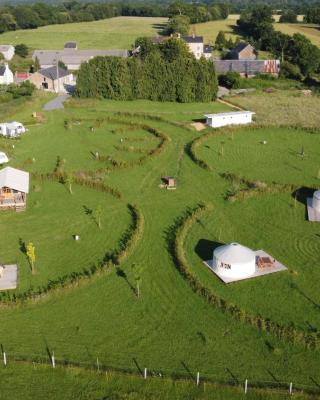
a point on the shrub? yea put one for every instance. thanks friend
(230, 80)
(290, 71)
(22, 50)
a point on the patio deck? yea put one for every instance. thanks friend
(9, 277)
(276, 267)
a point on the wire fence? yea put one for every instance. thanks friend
(144, 372)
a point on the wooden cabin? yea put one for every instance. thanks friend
(169, 182)
(14, 187)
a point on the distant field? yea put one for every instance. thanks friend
(114, 33)
(311, 31)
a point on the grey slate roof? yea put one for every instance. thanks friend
(4, 47)
(193, 39)
(72, 56)
(250, 67)
(51, 72)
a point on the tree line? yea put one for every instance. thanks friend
(30, 16)
(160, 72)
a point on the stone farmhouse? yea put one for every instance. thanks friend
(197, 46)
(52, 79)
(243, 51)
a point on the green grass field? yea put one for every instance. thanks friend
(168, 329)
(114, 33)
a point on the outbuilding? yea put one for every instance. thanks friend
(313, 206)
(229, 118)
(52, 79)
(7, 50)
(6, 75)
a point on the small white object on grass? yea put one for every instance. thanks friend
(13, 146)
(264, 142)
(76, 237)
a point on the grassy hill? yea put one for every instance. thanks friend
(114, 33)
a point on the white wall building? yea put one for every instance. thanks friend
(197, 46)
(6, 75)
(316, 200)
(229, 118)
(3, 158)
(234, 261)
(11, 129)
(7, 51)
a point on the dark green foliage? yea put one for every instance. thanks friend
(312, 15)
(178, 24)
(304, 54)
(290, 71)
(22, 50)
(230, 80)
(25, 89)
(221, 41)
(168, 72)
(288, 16)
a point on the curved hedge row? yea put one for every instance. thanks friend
(289, 333)
(127, 244)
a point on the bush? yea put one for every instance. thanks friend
(288, 16)
(25, 89)
(290, 71)
(22, 50)
(230, 80)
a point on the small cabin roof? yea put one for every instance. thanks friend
(14, 179)
(229, 114)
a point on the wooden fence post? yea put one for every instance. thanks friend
(53, 361)
(246, 386)
(198, 378)
(98, 366)
(290, 388)
(4, 358)
(145, 373)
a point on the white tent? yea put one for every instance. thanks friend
(3, 158)
(234, 261)
(14, 179)
(12, 129)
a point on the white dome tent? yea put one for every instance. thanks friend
(234, 261)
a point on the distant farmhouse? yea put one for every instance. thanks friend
(72, 57)
(197, 46)
(52, 79)
(243, 51)
(6, 75)
(7, 51)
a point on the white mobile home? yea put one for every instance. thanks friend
(11, 129)
(6, 75)
(229, 118)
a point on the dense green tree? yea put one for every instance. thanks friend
(221, 41)
(22, 50)
(178, 24)
(26, 17)
(289, 16)
(290, 71)
(7, 22)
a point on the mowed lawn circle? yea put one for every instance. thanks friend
(284, 155)
(274, 223)
(52, 217)
(84, 145)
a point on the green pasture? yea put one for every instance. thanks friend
(168, 329)
(74, 383)
(113, 33)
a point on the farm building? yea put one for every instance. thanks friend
(313, 205)
(7, 51)
(52, 79)
(71, 57)
(234, 262)
(11, 129)
(229, 118)
(197, 46)
(243, 51)
(3, 158)
(248, 68)
(6, 75)
(14, 187)
(169, 182)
